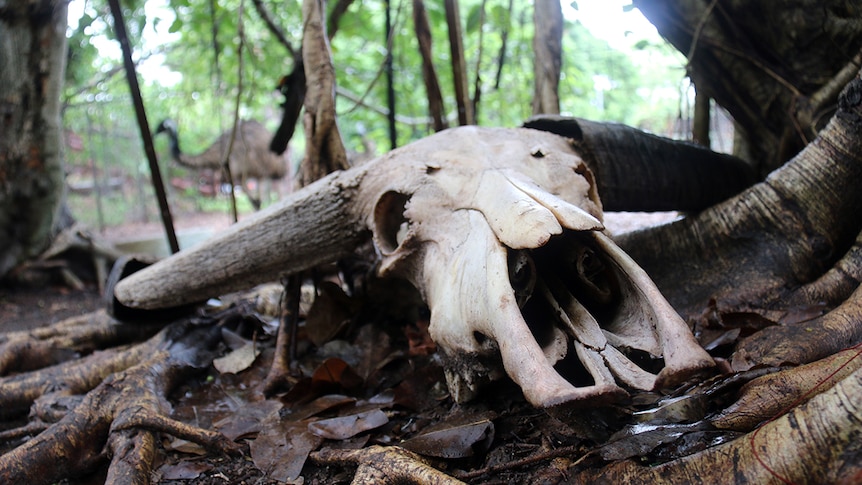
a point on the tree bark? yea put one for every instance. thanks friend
(700, 123)
(548, 49)
(755, 58)
(781, 234)
(32, 67)
(324, 152)
(813, 443)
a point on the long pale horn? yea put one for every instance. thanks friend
(317, 224)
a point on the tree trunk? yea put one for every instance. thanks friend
(459, 64)
(782, 234)
(324, 150)
(429, 75)
(548, 49)
(776, 65)
(700, 123)
(32, 67)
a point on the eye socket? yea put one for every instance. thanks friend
(390, 224)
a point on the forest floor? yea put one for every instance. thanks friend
(403, 386)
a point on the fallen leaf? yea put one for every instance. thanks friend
(422, 389)
(237, 360)
(334, 375)
(321, 404)
(374, 345)
(680, 409)
(247, 419)
(184, 470)
(330, 313)
(282, 447)
(419, 339)
(454, 442)
(344, 427)
(184, 446)
(640, 439)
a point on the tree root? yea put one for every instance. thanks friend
(793, 343)
(18, 392)
(837, 284)
(777, 236)
(42, 347)
(120, 417)
(76, 254)
(772, 394)
(279, 376)
(385, 465)
(816, 442)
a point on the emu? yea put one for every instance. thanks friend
(250, 157)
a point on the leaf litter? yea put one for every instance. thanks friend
(382, 384)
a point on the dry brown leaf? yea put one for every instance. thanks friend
(282, 447)
(237, 360)
(334, 375)
(344, 427)
(330, 313)
(321, 404)
(246, 420)
(184, 470)
(454, 442)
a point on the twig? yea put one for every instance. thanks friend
(335, 15)
(504, 38)
(477, 84)
(407, 120)
(530, 460)
(698, 30)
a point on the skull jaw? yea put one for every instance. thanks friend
(638, 342)
(468, 374)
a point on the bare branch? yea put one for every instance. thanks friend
(273, 27)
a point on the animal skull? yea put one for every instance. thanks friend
(500, 230)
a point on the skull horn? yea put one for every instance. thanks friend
(315, 225)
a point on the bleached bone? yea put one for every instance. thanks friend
(500, 230)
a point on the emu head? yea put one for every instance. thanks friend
(168, 125)
(500, 230)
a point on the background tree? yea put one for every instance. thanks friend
(32, 67)
(547, 45)
(777, 67)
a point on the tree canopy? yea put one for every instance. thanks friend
(597, 82)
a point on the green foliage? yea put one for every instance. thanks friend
(597, 81)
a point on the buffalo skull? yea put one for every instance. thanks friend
(501, 231)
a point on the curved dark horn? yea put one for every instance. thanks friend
(317, 224)
(637, 171)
